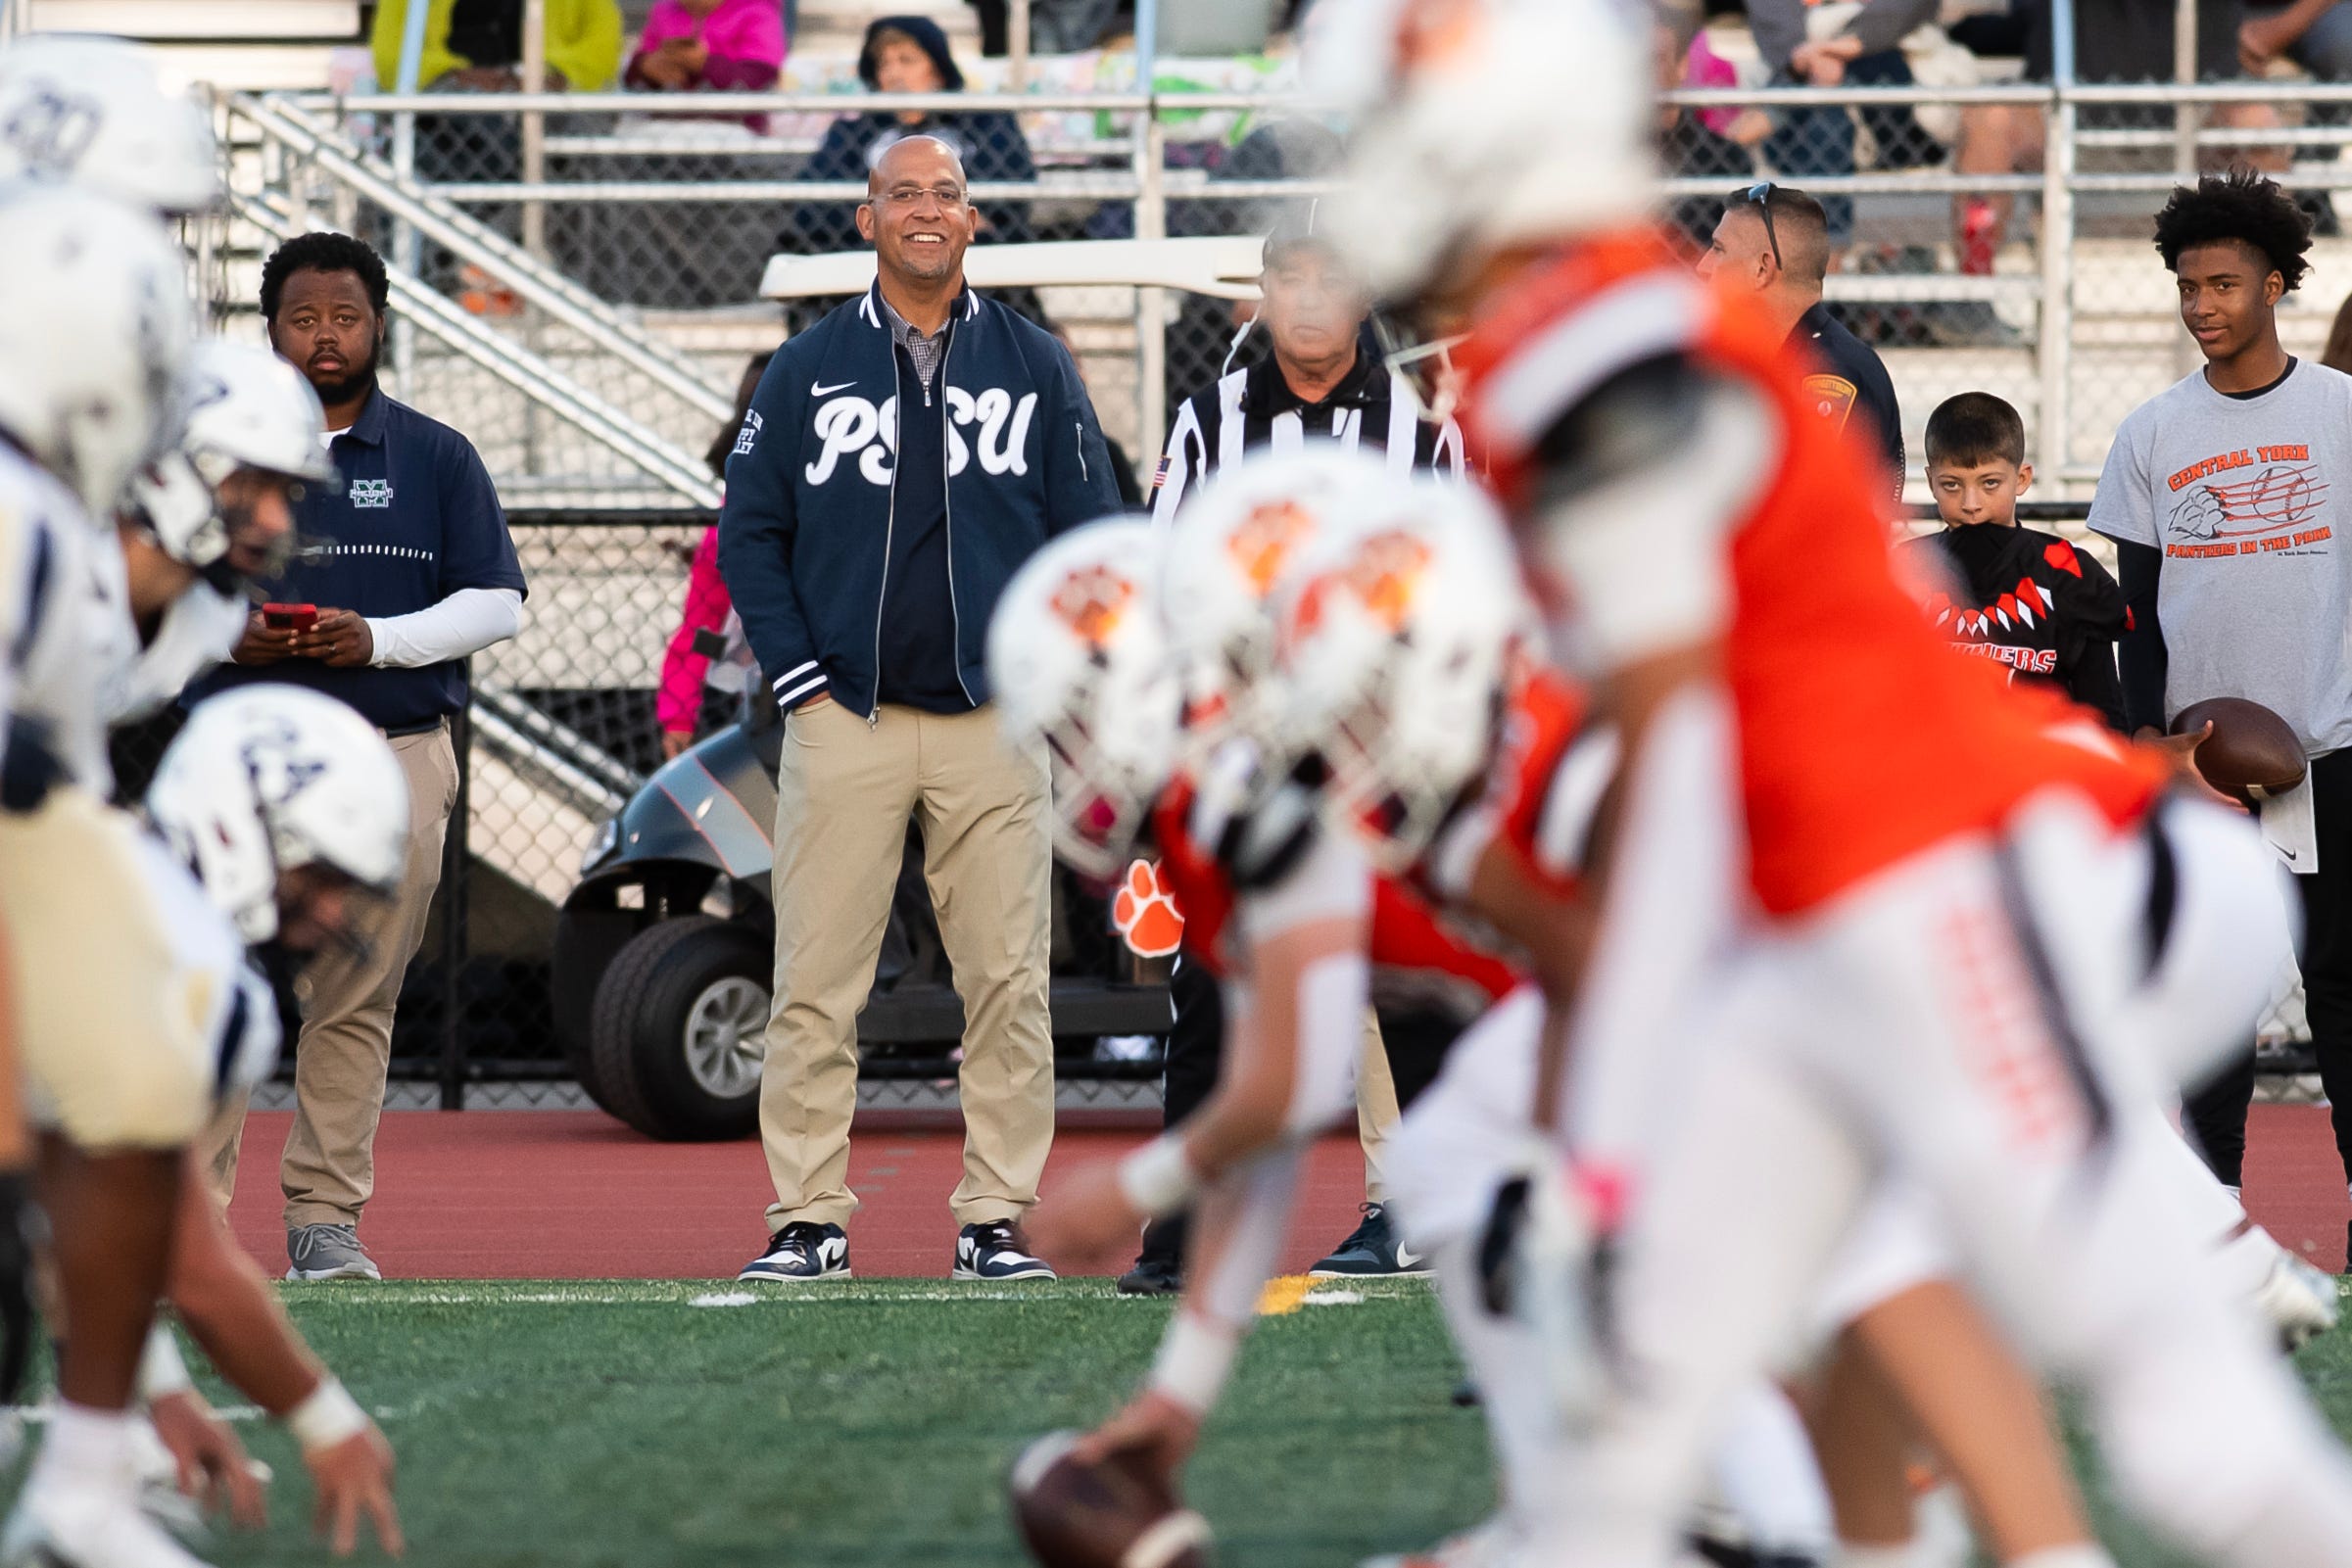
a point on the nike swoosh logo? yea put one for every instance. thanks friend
(816, 391)
(2291, 856)
(1407, 1258)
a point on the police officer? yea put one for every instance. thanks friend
(417, 575)
(1774, 242)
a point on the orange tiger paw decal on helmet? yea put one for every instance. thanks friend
(1146, 912)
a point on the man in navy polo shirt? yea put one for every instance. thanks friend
(419, 575)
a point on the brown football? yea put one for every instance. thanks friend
(1074, 1515)
(2251, 754)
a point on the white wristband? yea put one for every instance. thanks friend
(1158, 1179)
(161, 1372)
(1195, 1358)
(329, 1417)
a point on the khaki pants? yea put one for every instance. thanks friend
(844, 794)
(328, 1173)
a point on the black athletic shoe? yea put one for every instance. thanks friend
(1372, 1252)
(802, 1251)
(994, 1252)
(1152, 1276)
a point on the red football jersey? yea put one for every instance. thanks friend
(1406, 939)
(1542, 793)
(1862, 740)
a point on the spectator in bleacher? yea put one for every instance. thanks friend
(2121, 41)
(1773, 242)
(477, 45)
(711, 46)
(1863, 52)
(1055, 26)
(414, 574)
(1701, 143)
(909, 55)
(2315, 35)
(699, 690)
(868, 615)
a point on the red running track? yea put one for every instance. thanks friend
(575, 1195)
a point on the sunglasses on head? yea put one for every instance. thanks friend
(1760, 193)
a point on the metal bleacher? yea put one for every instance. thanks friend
(235, 45)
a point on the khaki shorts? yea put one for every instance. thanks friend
(110, 1020)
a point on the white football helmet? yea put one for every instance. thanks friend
(1077, 660)
(270, 777)
(237, 406)
(1467, 139)
(1399, 640)
(94, 325)
(1229, 551)
(93, 111)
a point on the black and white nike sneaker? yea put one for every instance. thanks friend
(802, 1251)
(1372, 1252)
(994, 1252)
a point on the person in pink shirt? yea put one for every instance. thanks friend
(678, 702)
(709, 45)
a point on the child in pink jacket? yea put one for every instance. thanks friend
(678, 704)
(712, 46)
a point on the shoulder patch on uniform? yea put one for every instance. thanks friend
(1832, 397)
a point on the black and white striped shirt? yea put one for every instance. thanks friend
(1253, 408)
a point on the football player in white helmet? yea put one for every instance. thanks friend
(214, 514)
(92, 111)
(1282, 911)
(280, 816)
(93, 327)
(1081, 665)
(1718, 553)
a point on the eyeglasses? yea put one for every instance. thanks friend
(909, 196)
(1760, 193)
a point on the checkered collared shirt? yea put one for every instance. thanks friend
(924, 350)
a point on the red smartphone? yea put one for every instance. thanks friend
(290, 617)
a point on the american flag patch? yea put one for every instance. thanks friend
(1159, 475)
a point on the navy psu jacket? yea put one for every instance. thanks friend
(804, 541)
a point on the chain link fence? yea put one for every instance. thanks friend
(585, 288)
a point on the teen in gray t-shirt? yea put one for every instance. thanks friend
(2249, 498)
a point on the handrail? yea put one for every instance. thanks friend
(521, 369)
(559, 297)
(598, 782)
(703, 105)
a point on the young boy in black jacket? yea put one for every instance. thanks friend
(2019, 596)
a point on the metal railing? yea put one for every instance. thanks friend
(2086, 331)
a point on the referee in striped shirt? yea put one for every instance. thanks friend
(1322, 381)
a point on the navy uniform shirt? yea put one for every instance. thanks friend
(1856, 376)
(417, 520)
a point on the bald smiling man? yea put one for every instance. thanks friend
(918, 403)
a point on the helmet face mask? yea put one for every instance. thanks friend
(1081, 670)
(1400, 644)
(282, 800)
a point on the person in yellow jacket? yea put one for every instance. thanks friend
(477, 45)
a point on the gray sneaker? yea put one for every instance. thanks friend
(328, 1251)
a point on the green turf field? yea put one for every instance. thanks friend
(869, 1423)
